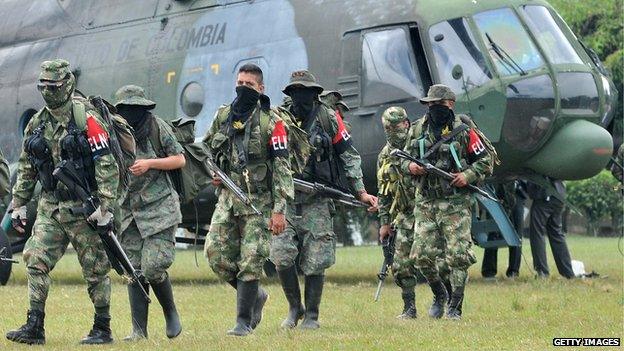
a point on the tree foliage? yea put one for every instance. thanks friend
(597, 198)
(600, 25)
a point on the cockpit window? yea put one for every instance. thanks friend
(454, 44)
(509, 44)
(549, 36)
(389, 67)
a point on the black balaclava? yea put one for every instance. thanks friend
(139, 118)
(303, 100)
(441, 116)
(244, 104)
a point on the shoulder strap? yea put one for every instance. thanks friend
(462, 127)
(154, 136)
(265, 118)
(324, 119)
(80, 114)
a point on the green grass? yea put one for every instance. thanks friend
(524, 314)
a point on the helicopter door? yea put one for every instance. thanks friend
(461, 65)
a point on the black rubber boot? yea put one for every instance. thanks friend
(449, 290)
(138, 312)
(256, 311)
(164, 294)
(409, 304)
(31, 333)
(313, 293)
(455, 307)
(246, 296)
(290, 285)
(100, 333)
(440, 297)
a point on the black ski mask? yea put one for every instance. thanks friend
(139, 118)
(441, 116)
(244, 103)
(303, 100)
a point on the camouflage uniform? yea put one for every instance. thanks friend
(4, 175)
(311, 235)
(150, 212)
(442, 212)
(55, 226)
(238, 241)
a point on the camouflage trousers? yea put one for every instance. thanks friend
(51, 234)
(442, 229)
(404, 267)
(153, 255)
(312, 238)
(237, 246)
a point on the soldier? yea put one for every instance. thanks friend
(396, 207)
(4, 175)
(256, 159)
(151, 212)
(312, 214)
(52, 135)
(443, 209)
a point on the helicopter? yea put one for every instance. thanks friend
(538, 93)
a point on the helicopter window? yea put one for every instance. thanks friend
(454, 44)
(554, 43)
(389, 67)
(529, 113)
(509, 44)
(192, 99)
(579, 94)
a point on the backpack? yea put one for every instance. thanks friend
(122, 144)
(189, 180)
(299, 147)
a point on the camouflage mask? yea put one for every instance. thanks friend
(56, 83)
(393, 122)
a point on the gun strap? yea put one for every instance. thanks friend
(446, 138)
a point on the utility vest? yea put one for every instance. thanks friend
(395, 184)
(322, 164)
(450, 156)
(243, 154)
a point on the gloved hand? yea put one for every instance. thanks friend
(19, 219)
(101, 217)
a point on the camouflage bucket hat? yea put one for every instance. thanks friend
(302, 78)
(438, 92)
(55, 70)
(393, 115)
(133, 95)
(333, 98)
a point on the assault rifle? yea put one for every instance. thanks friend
(67, 174)
(439, 172)
(229, 183)
(327, 191)
(3, 258)
(387, 247)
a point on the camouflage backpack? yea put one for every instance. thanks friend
(189, 180)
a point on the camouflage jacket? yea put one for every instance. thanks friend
(97, 132)
(152, 201)
(4, 175)
(473, 159)
(394, 190)
(267, 169)
(344, 153)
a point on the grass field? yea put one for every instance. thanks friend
(523, 314)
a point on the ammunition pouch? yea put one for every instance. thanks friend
(40, 156)
(445, 189)
(75, 148)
